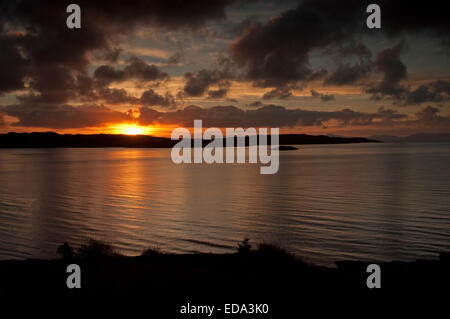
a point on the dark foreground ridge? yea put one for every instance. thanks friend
(162, 283)
(51, 139)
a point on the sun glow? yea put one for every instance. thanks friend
(132, 129)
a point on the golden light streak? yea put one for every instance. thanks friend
(132, 129)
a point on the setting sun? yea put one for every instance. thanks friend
(132, 129)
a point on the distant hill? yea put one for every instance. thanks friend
(293, 139)
(51, 139)
(415, 138)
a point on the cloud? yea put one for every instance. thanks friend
(413, 17)
(53, 64)
(264, 116)
(355, 48)
(112, 55)
(136, 69)
(175, 58)
(151, 98)
(322, 96)
(116, 96)
(36, 45)
(179, 57)
(278, 93)
(198, 83)
(348, 74)
(217, 94)
(238, 28)
(437, 91)
(278, 53)
(63, 116)
(95, 88)
(429, 116)
(13, 66)
(68, 116)
(389, 63)
(56, 84)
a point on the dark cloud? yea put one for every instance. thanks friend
(116, 96)
(151, 98)
(217, 94)
(13, 66)
(437, 91)
(140, 70)
(175, 59)
(36, 45)
(67, 116)
(324, 97)
(112, 55)
(278, 93)
(389, 63)
(348, 74)
(429, 116)
(53, 83)
(355, 48)
(136, 69)
(394, 70)
(56, 84)
(239, 28)
(107, 74)
(278, 53)
(179, 56)
(84, 87)
(52, 63)
(171, 14)
(414, 17)
(265, 116)
(388, 115)
(63, 116)
(198, 83)
(94, 88)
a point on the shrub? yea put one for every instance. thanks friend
(244, 247)
(151, 252)
(273, 252)
(66, 251)
(96, 249)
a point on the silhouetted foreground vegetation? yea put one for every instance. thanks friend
(265, 274)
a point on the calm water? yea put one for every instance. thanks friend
(327, 202)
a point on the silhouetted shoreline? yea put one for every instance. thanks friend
(54, 140)
(267, 274)
(287, 148)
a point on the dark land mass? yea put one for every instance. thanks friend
(415, 138)
(160, 284)
(50, 139)
(287, 148)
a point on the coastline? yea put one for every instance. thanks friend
(55, 140)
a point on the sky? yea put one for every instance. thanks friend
(149, 66)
